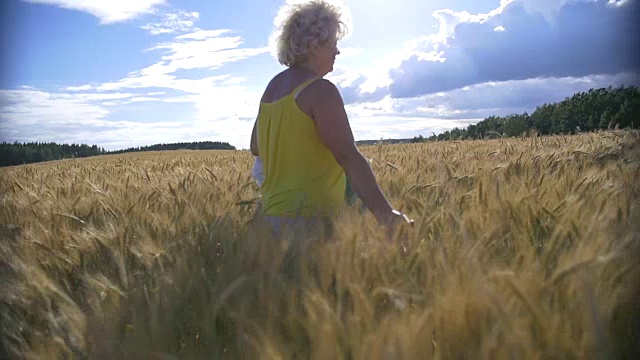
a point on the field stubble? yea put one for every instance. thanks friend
(522, 248)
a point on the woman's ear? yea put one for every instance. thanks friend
(313, 49)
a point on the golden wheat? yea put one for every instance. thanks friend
(523, 248)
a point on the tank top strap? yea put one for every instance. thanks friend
(298, 89)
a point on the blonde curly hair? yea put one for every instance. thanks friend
(302, 26)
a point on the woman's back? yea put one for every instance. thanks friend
(302, 176)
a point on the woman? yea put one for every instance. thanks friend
(302, 133)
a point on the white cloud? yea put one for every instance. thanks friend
(108, 11)
(35, 115)
(205, 53)
(369, 80)
(78, 88)
(333, 2)
(198, 50)
(434, 113)
(372, 80)
(173, 22)
(618, 2)
(550, 9)
(219, 106)
(392, 127)
(136, 100)
(202, 34)
(350, 51)
(500, 98)
(95, 97)
(468, 50)
(34, 110)
(448, 20)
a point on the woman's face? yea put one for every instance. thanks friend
(325, 55)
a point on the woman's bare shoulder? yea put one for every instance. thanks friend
(319, 96)
(269, 89)
(323, 90)
(280, 85)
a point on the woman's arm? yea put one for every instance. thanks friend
(332, 126)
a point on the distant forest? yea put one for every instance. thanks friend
(596, 109)
(202, 145)
(32, 152)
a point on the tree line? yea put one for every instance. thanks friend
(200, 145)
(596, 109)
(32, 152)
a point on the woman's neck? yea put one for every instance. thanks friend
(308, 68)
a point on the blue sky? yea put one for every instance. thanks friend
(122, 73)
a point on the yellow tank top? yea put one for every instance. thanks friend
(301, 175)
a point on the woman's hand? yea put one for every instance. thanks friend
(395, 219)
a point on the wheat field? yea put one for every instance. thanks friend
(523, 248)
